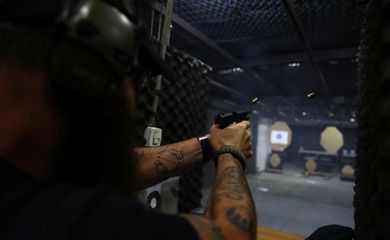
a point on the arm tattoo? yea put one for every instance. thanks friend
(229, 195)
(232, 179)
(231, 185)
(168, 160)
(243, 224)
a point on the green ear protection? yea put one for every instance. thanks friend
(96, 49)
(96, 44)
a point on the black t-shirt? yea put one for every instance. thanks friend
(31, 210)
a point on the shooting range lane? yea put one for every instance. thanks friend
(293, 64)
(303, 188)
(298, 204)
(290, 67)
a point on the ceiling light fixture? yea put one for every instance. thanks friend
(230, 71)
(294, 64)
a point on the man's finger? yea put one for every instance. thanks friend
(248, 136)
(248, 153)
(247, 124)
(249, 132)
(243, 124)
(249, 146)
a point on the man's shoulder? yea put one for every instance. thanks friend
(72, 212)
(58, 194)
(63, 211)
(73, 200)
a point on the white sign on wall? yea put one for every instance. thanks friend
(279, 137)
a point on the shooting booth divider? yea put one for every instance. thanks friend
(372, 187)
(181, 115)
(177, 107)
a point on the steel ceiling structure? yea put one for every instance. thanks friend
(262, 37)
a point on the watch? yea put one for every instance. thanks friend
(207, 150)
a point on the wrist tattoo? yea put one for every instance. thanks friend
(168, 160)
(232, 179)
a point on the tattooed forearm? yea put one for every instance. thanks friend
(155, 164)
(235, 215)
(232, 200)
(168, 160)
(213, 200)
(232, 179)
(231, 211)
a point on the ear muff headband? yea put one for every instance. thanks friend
(97, 49)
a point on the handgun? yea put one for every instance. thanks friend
(226, 119)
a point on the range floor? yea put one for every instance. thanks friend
(292, 203)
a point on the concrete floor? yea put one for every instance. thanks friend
(293, 203)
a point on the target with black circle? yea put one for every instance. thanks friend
(280, 136)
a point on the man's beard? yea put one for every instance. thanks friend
(97, 142)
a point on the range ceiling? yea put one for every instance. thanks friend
(262, 36)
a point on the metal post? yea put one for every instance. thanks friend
(152, 19)
(167, 28)
(164, 43)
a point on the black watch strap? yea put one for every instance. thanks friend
(235, 152)
(207, 150)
